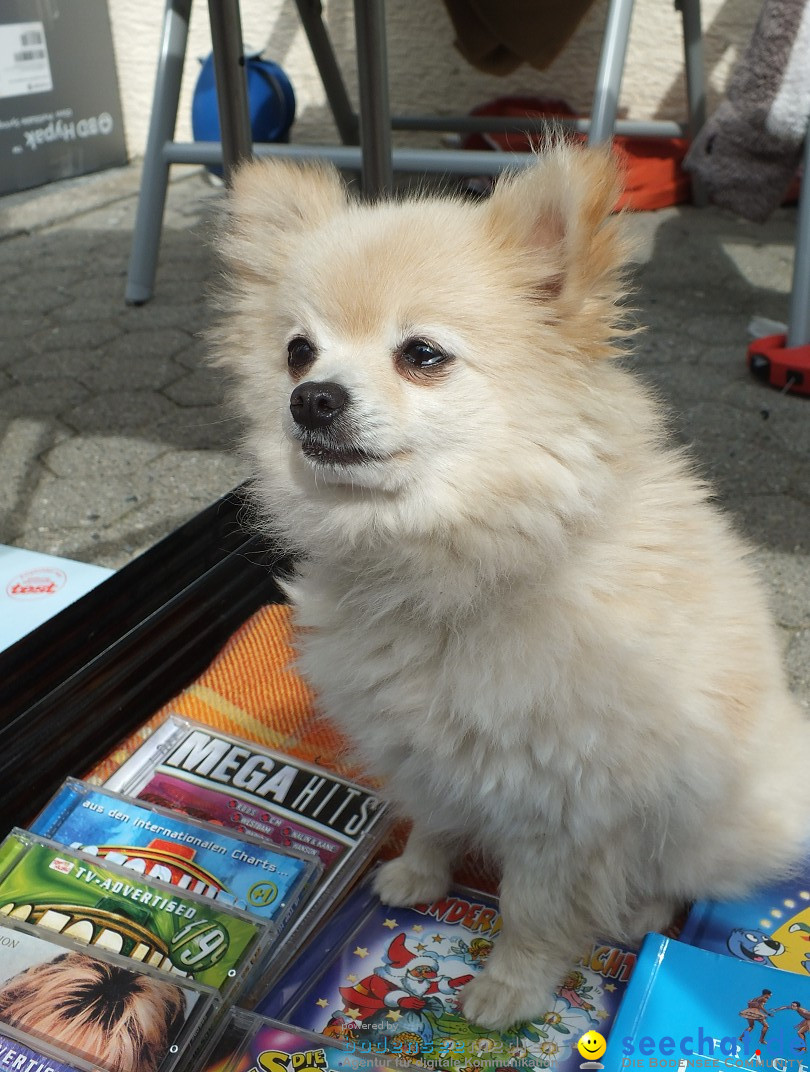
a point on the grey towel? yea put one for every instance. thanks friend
(748, 152)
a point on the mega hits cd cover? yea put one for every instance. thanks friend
(209, 775)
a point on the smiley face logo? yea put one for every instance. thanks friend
(592, 1046)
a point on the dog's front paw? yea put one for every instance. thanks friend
(497, 1004)
(402, 882)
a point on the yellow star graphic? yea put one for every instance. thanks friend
(420, 947)
(437, 937)
(389, 923)
(601, 1014)
(353, 1014)
(610, 986)
(417, 928)
(322, 1003)
(394, 1015)
(351, 978)
(361, 952)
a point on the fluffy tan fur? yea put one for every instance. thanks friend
(520, 606)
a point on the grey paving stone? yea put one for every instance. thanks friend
(158, 315)
(55, 396)
(798, 666)
(199, 387)
(141, 344)
(775, 522)
(196, 472)
(109, 458)
(15, 327)
(787, 576)
(146, 412)
(82, 501)
(74, 336)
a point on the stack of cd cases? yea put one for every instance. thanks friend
(245, 788)
(134, 915)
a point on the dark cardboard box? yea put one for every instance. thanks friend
(60, 109)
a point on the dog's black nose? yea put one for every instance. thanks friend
(315, 405)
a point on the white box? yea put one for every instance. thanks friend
(35, 586)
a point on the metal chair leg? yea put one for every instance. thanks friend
(155, 177)
(232, 95)
(311, 14)
(375, 111)
(610, 71)
(695, 81)
(799, 313)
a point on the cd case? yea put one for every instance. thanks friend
(238, 871)
(95, 1008)
(252, 1043)
(691, 1008)
(387, 981)
(23, 1053)
(283, 800)
(108, 907)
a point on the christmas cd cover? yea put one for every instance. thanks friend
(391, 979)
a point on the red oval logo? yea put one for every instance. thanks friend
(36, 583)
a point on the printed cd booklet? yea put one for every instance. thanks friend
(95, 1008)
(391, 979)
(240, 871)
(107, 907)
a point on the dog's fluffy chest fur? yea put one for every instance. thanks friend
(502, 721)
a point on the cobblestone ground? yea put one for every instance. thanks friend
(113, 429)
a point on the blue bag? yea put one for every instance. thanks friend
(271, 102)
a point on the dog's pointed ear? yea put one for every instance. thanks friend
(558, 213)
(270, 202)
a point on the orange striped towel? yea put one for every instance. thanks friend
(251, 690)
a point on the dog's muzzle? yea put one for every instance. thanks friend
(314, 406)
(323, 428)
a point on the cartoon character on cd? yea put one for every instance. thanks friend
(396, 998)
(761, 948)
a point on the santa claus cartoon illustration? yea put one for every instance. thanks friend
(394, 999)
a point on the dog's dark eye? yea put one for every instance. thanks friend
(422, 354)
(300, 354)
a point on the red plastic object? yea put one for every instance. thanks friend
(785, 367)
(653, 176)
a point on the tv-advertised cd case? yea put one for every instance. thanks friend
(251, 1043)
(390, 979)
(107, 907)
(242, 786)
(687, 1008)
(200, 857)
(95, 1007)
(771, 926)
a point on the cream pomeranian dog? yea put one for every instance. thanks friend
(513, 597)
